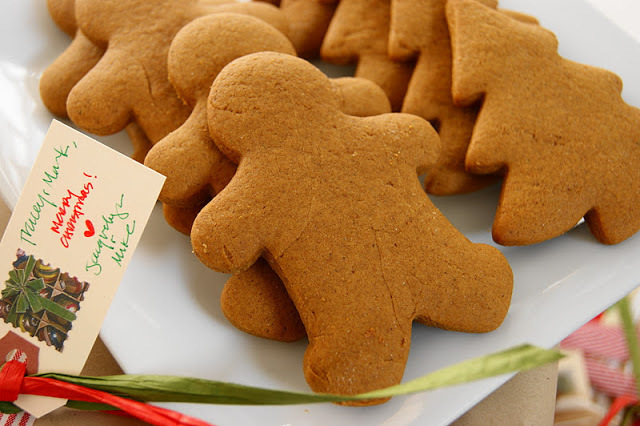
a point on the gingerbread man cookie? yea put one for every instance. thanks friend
(308, 23)
(72, 64)
(334, 203)
(559, 131)
(359, 32)
(196, 170)
(130, 82)
(273, 315)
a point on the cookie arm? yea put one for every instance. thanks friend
(361, 97)
(98, 102)
(408, 137)
(188, 158)
(63, 74)
(220, 242)
(406, 17)
(230, 232)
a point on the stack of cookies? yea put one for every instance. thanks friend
(307, 188)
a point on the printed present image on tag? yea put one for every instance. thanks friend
(40, 300)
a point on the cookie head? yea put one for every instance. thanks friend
(204, 47)
(63, 14)
(255, 89)
(102, 19)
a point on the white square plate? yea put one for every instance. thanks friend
(166, 318)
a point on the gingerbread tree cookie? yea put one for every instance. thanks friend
(560, 133)
(359, 32)
(130, 82)
(333, 202)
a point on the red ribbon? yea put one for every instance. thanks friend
(10, 378)
(13, 382)
(618, 404)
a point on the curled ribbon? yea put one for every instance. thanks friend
(13, 382)
(158, 388)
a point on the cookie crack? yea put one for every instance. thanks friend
(147, 80)
(386, 283)
(307, 222)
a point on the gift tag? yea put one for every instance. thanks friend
(65, 250)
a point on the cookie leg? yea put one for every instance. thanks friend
(613, 224)
(393, 77)
(355, 352)
(473, 295)
(256, 302)
(449, 175)
(140, 141)
(534, 210)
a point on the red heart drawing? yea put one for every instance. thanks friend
(90, 230)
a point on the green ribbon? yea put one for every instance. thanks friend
(157, 388)
(27, 295)
(629, 329)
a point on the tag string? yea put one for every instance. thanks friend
(13, 382)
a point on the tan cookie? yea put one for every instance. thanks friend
(308, 23)
(359, 32)
(72, 64)
(195, 169)
(419, 30)
(273, 315)
(63, 14)
(139, 140)
(560, 133)
(256, 302)
(181, 218)
(333, 202)
(130, 82)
